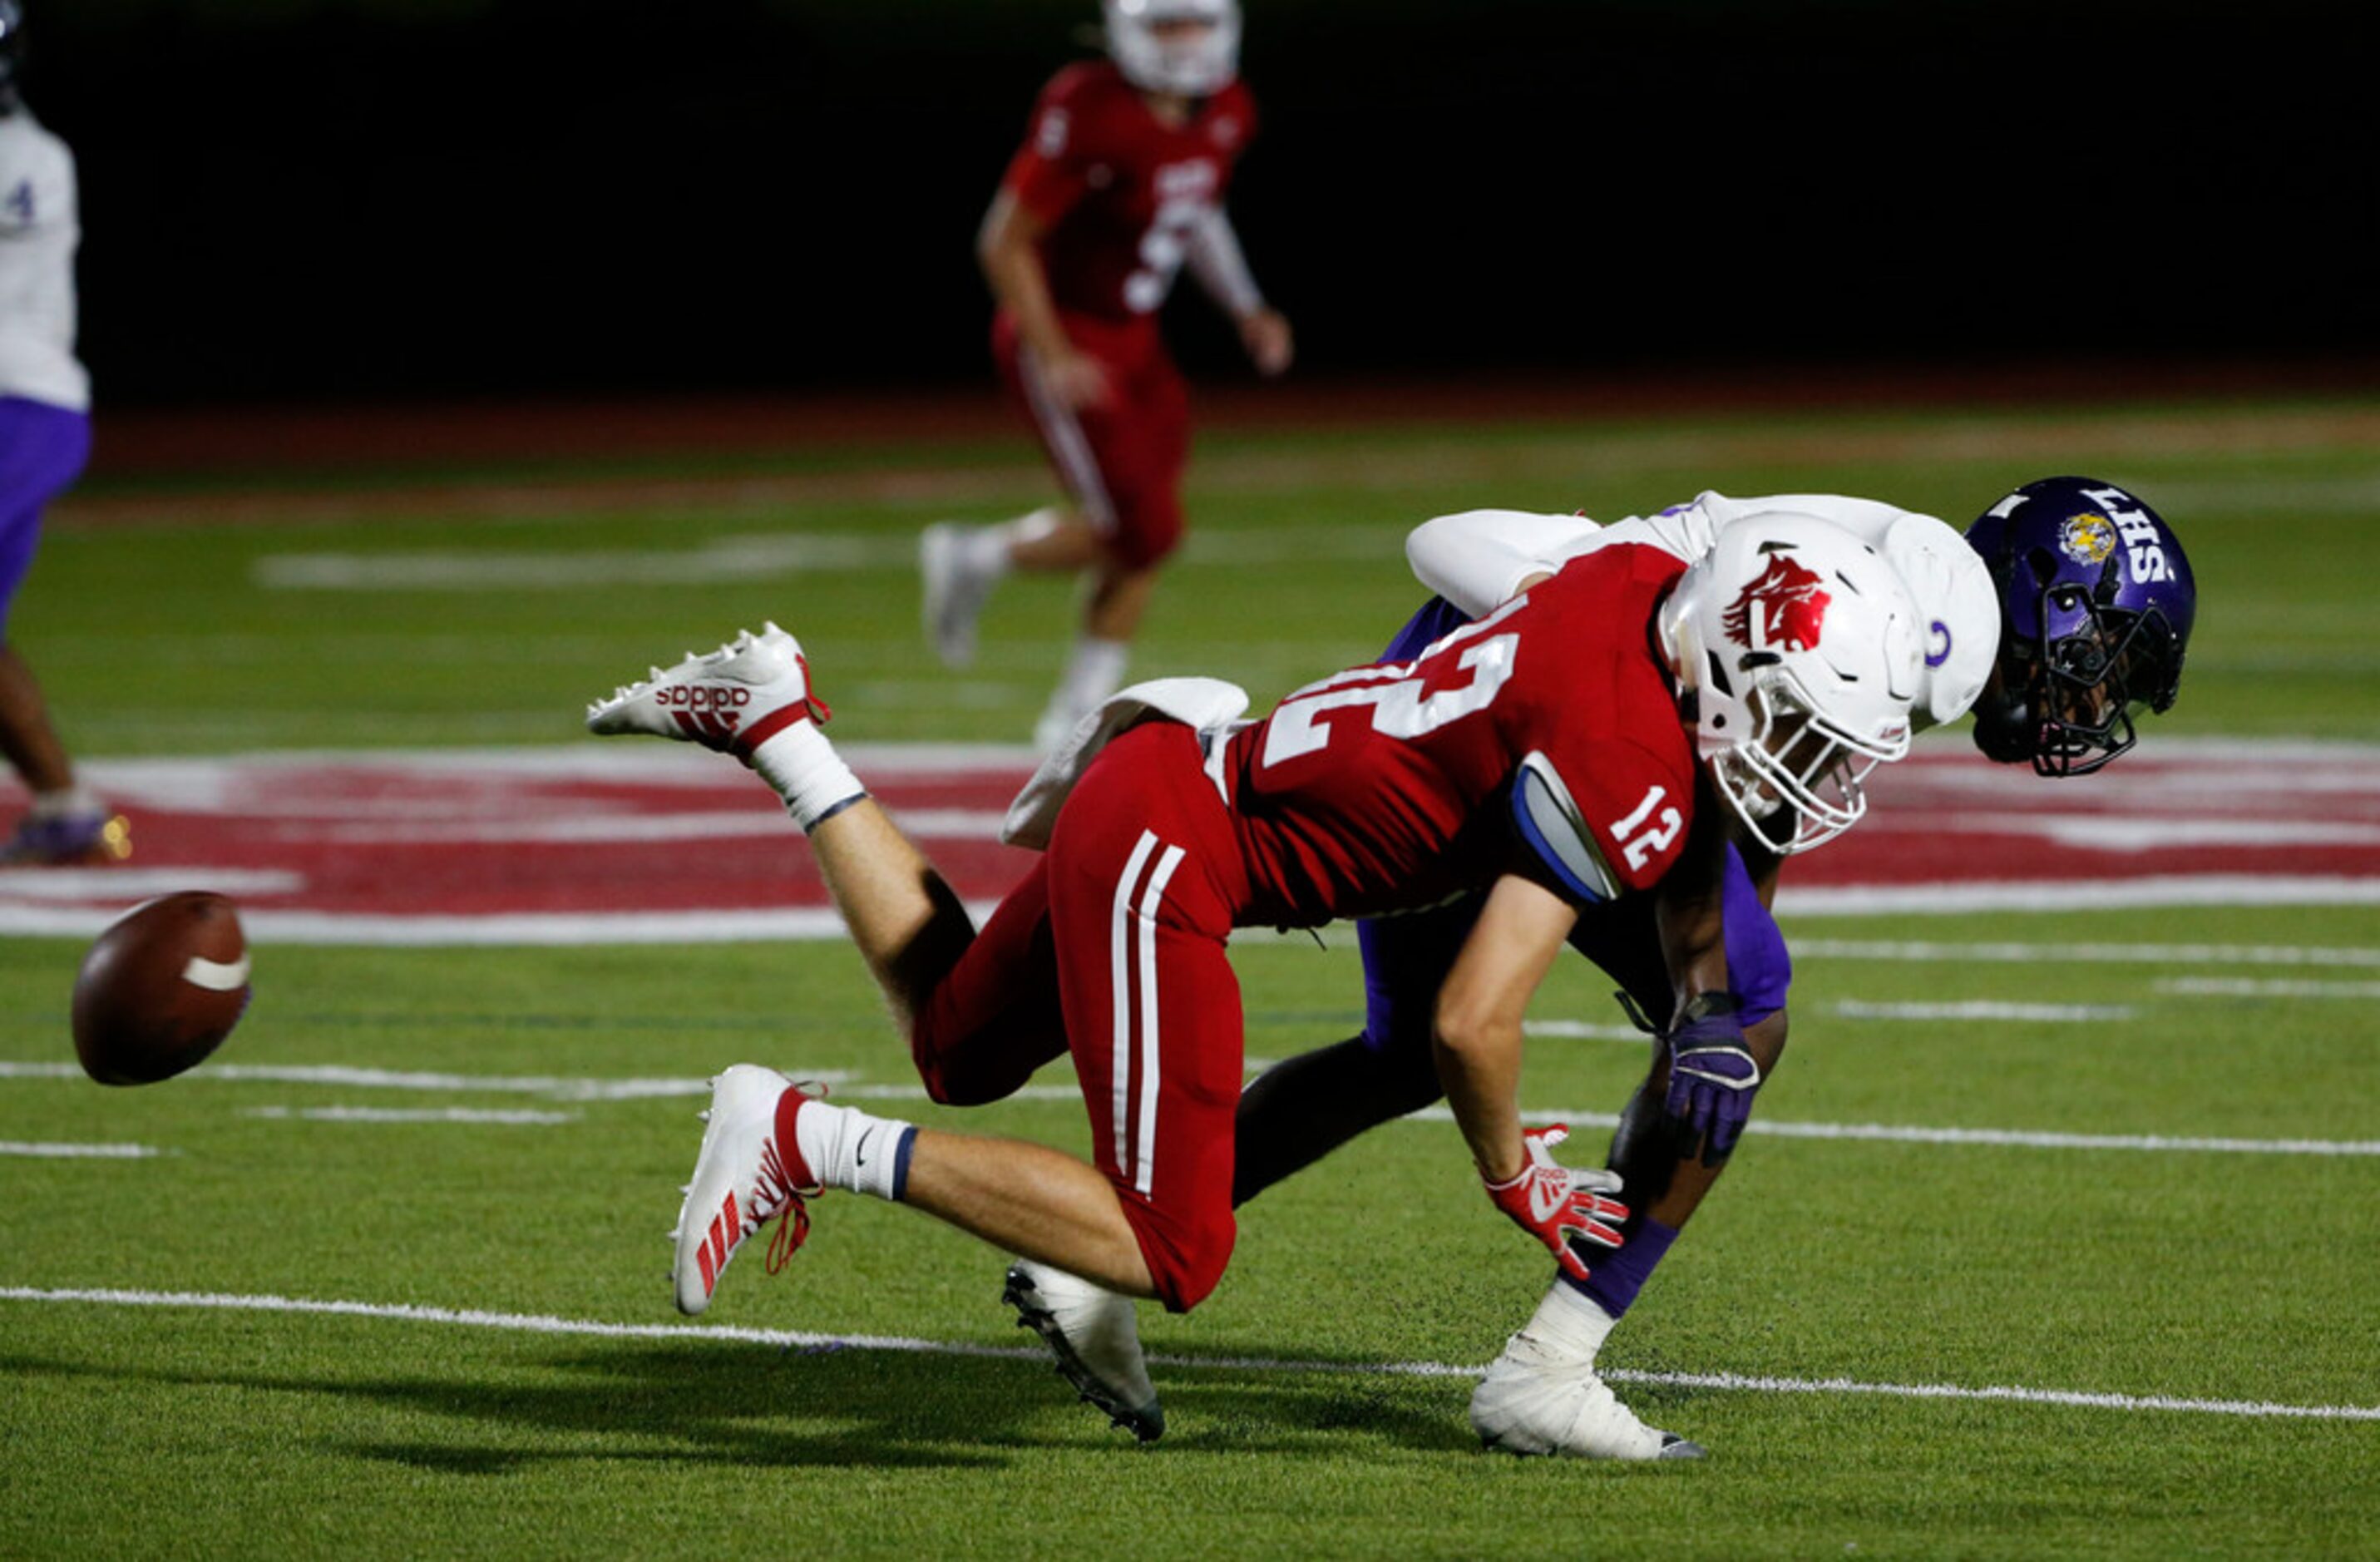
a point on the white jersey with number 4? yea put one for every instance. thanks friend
(1477, 558)
(38, 230)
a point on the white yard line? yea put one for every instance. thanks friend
(79, 1151)
(2245, 987)
(567, 1088)
(123, 885)
(493, 1117)
(2225, 890)
(767, 824)
(2016, 1138)
(1926, 951)
(1984, 1008)
(1580, 1030)
(806, 924)
(559, 1087)
(713, 1333)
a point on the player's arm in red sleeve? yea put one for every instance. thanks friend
(1044, 181)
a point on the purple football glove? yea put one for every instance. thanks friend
(1712, 1077)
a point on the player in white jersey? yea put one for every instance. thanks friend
(1478, 558)
(44, 439)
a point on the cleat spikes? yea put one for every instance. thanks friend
(727, 699)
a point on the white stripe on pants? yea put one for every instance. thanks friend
(1132, 950)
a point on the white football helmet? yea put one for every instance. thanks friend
(1193, 66)
(1959, 615)
(1800, 645)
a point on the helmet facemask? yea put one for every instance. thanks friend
(1796, 657)
(2099, 601)
(2075, 713)
(1797, 781)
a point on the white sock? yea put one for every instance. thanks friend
(801, 763)
(984, 549)
(849, 1149)
(1031, 526)
(1570, 1323)
(1094, 671)
(75, 799)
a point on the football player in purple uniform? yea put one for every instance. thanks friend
(2066, 604)
(45, 437)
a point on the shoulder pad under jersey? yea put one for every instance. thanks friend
(1552, 826)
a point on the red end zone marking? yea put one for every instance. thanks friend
(636, 843)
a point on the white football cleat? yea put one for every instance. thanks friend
(954, 591)
(742, 1177)
(1539, 1399)
(1093, 1333)
(733, 699)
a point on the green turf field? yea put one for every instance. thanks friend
(1315, 1402)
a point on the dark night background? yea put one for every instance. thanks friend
(292, 200)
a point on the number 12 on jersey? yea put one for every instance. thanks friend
(1658, 831)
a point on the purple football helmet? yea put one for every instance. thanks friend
(2097, 602)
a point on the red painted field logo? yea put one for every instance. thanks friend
(663, 843)
(1784, 610)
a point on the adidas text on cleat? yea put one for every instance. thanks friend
(1529, 1405)
(733, 699)
(742, 1177)
(955, 588)
(68, 840)
(1092, 1332)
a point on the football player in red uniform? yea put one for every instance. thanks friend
(1119, 183)
(2046, 553)
(1549, 754)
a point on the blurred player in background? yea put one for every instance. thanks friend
(1120, 181)
(44, 438)
(2065, 606)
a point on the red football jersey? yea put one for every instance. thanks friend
(1119, 188)
(1394, 786)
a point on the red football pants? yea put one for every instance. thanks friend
(1122, 460)
(1119, 932)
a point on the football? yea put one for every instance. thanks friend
(160, 989)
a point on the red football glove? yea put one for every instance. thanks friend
(1555, 1203)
